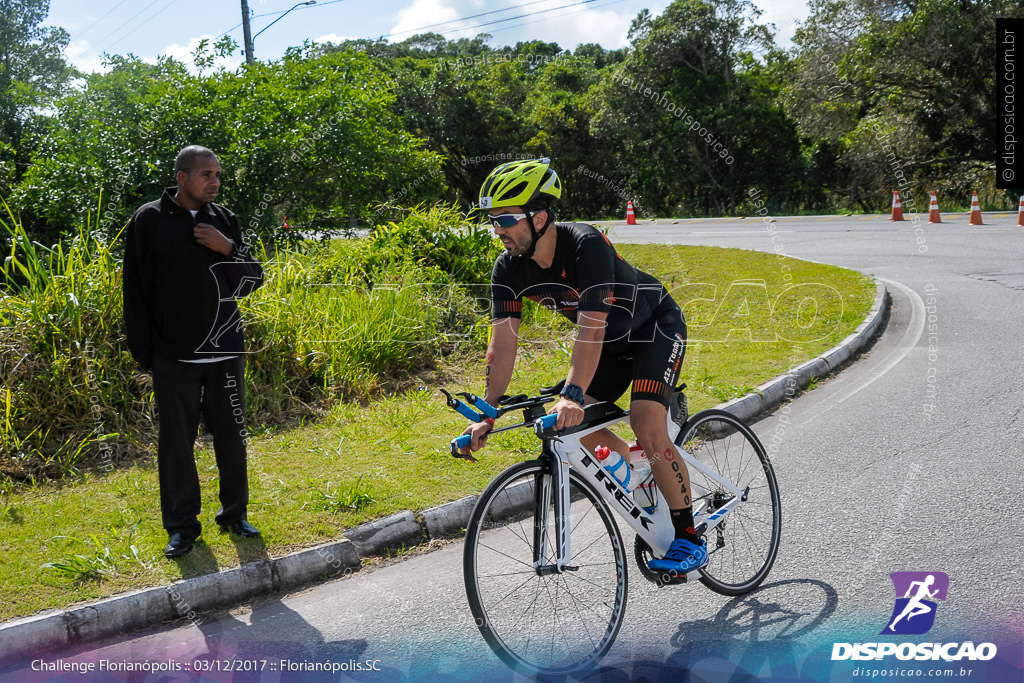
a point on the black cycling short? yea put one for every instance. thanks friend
(649, 357)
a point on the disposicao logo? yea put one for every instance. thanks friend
(914, 614)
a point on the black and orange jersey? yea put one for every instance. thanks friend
(587, 274)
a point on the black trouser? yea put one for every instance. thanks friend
(183, 392)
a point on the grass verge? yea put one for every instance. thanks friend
(750, 316)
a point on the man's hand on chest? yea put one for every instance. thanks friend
(212, 238)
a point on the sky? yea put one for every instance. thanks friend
(148, 28)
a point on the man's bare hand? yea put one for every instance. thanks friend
(478, 438)
(570, 413)
(212, 238)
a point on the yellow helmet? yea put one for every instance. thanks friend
(517, 183)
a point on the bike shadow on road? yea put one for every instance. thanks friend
(751, 635)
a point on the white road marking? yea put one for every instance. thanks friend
(906, 344)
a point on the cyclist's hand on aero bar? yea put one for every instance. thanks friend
(478, 433)
(570, 413)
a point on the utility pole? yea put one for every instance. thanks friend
(247, 32)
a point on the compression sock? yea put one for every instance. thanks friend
(682, 520)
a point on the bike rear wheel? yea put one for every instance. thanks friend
(743, 547)
(540, 620)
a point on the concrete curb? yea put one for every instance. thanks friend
(182, 599)
(774, 392)
(389, 533)
(113, 616)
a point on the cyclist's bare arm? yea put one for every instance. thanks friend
(501, 358)
(499, 364)
(586, 354)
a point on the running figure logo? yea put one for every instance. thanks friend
(916, 593)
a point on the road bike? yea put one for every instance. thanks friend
(544, 561)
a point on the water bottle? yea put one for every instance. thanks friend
(616, 465)
(645, 492)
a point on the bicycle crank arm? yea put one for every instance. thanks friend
(548, 569)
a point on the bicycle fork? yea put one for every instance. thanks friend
(551, 496)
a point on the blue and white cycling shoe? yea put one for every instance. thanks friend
(682, 557)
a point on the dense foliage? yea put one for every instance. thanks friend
(700, 108)
(334, 320)
(309, 138)
(699, 111)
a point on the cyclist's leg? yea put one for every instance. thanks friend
(656, 363)
(657, 359)
(648, 420)
(612, 377)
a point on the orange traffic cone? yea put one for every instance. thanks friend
(897, 208)
(1020, 212)
(975, 211)
(933, 210)
(630, 216)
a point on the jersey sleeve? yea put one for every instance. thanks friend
(505, 301)
(595, 265)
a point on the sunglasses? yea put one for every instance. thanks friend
(507, 220)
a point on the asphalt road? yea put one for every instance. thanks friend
(909, 460)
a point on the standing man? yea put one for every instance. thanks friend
(184, 265)
(631, 333)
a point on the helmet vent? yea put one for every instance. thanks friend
(516, 189)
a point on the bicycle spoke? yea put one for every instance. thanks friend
(575, 577)
(750, 531)
(545, 621)
(504, 554)
(515, 590)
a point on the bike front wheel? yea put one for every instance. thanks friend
(743, 547)
(533, 618)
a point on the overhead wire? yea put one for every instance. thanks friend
(499, 21)
(107, 14)
(579, 4)
(128, 21)
(280, 12)
(540, 21)
(472, 16)
(151, 18)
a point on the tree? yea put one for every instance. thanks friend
(311, 137)
(32, 74)
(560, 110)
(879, 82)
(691, 111)
(468, 103)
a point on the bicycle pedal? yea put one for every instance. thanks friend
(673, 579)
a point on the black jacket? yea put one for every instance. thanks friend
(179, 296)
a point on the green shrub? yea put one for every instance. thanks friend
(438, 237)
(342, 320)
(68, 381)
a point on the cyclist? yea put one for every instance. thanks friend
(630, 331)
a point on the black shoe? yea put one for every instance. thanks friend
(242, 528)
(181, 544)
